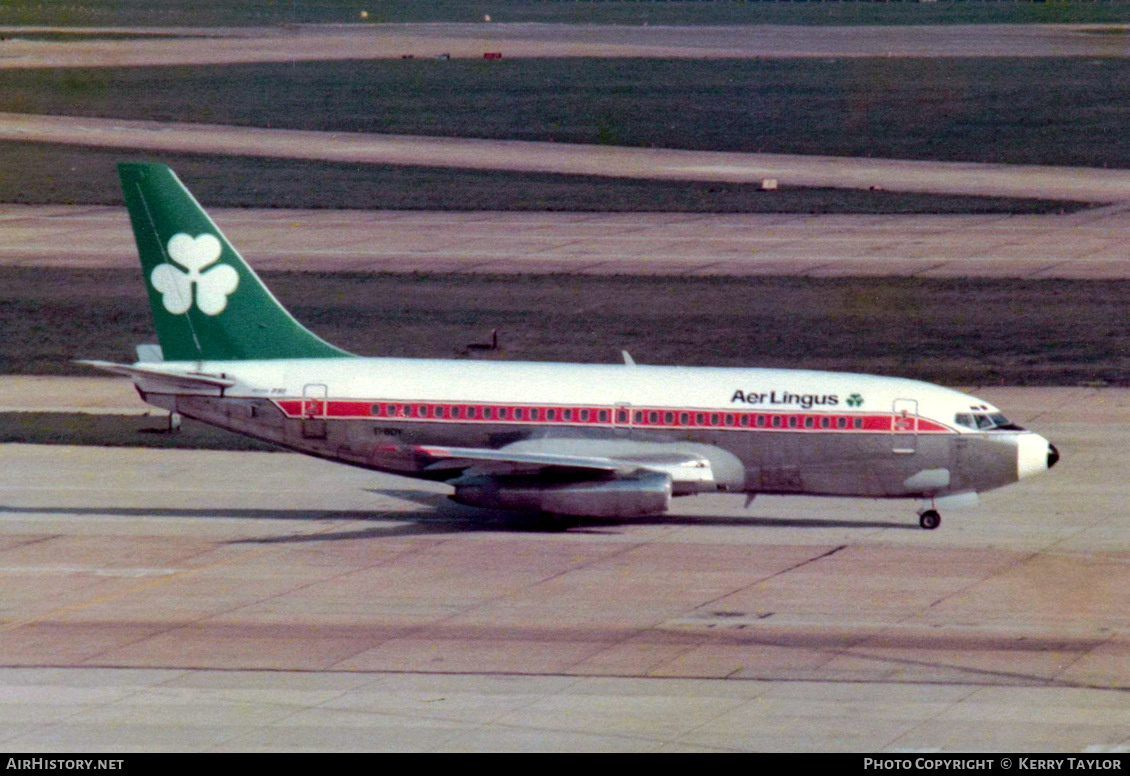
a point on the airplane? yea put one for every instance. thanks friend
(591, 440)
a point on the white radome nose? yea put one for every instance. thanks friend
(1033, 455)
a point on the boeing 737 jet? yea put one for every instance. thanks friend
(597, 440)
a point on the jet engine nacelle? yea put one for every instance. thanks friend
(647, 493)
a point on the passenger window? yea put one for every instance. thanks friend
(729, 420)
(602, 416)
(567, 414)
(551, 414)
(584, 416)
(684, 418)
(518, 413)
(668, 418)
(502, 413)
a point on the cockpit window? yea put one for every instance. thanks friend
(984, 421)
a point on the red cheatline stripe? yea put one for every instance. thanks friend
(589, 415)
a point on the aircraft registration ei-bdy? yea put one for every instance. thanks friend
(598, 440)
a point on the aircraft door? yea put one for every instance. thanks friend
(314, 400)
(904, 427)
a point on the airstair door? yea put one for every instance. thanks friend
(314, 396)
(904, 427)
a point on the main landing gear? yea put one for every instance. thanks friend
(930, 519)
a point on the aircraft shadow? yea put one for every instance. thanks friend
(441, 503)
(445, 517)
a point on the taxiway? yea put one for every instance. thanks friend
(1073, 184)
(61, 47)
(218, 601)
(1089, 244)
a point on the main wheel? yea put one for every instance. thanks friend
(930, 519)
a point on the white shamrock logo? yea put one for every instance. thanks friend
(212, 287)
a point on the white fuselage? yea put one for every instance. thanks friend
(762, 430)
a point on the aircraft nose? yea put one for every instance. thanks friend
(1034, 454)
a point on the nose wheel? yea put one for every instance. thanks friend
(930, 519)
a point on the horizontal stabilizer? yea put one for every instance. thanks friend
(175, 382)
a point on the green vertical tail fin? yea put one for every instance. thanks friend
(208, 305)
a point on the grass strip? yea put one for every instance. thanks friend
(67, 428)
(1050, 111)
(949, 331)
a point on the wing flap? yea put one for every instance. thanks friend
(465, 457)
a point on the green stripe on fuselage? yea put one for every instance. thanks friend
(207, 304)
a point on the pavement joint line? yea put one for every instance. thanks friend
(983, 674)
(931, 268)
(181, 625)
(906, 620)
(12, 625)
(973, 691)
(1042, 272)
(781, 572)
(443, 621)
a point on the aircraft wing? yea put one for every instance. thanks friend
(160, 380)
(575, 477)
(615, 461)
